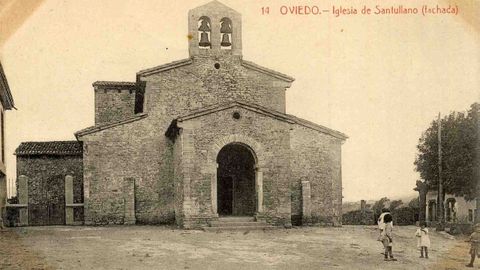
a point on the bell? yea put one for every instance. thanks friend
(204, 42)
(226, 41)
(226, 28)
(204, 26)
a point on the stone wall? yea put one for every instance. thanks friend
(316, 157)
(136, 150)
(113, 103)
(46, 178)
(202, 139)
(201, 85)
(140, 150)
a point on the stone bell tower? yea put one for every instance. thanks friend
(214, 29)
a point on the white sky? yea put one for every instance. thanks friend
(379, 79)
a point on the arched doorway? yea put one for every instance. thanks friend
(236, 181)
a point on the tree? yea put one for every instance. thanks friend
(460, 145)
(414, 203)
(379, 205)
(395, 204)
(422, 189)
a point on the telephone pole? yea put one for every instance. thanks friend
(440, 209)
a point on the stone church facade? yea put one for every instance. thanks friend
(205, 137)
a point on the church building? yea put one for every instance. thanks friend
(207, 137)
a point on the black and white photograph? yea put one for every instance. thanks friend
(240, 134)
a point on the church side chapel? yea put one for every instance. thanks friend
(205, 141)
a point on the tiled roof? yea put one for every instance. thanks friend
(112, 83)
(49, 148)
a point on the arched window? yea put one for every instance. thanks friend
(450, 210)
(226, 30)
(204, 31)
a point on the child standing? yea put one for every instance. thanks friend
(387, 237)
(423, 240)
(474, 240)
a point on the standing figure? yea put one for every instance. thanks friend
(423, 240)
(386, 237)
(474, 240)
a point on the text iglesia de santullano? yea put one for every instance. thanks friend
(338, 11)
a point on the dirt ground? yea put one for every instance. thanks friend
(150, 247)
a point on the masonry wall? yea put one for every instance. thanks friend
(140, 149)
(46, 178)
(135, 150)
(273, 137)
(113, 103)
(178, 179)
(174, 92)
(316, 157)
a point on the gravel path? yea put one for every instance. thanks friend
(150, 247)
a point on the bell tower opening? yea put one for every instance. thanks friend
(226, 32)
(214, 30)
(204, 32)
(236, 181)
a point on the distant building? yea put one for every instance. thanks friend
(6, 103)
(457, 209)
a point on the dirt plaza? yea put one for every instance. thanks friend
(151, 247)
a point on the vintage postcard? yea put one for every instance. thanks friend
(240, 134)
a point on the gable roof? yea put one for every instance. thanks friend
(259, 109)
(104, 126)
(5, 94)
(215, 5)
(188, 61)
(55, 148)
(165, 67)
(267, 71)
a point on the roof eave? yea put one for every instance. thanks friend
(267, 71)
(7, 98)
(165, 67)
(94, 129)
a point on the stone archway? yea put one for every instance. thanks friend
(236, 181)
(257, 153)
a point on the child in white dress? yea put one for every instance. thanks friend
(423, 240)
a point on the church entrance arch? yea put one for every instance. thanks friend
(236, 180)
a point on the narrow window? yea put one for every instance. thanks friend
(204, 32)
(226, 30)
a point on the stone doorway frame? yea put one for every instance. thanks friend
(257, 152)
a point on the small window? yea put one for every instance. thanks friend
(470, 215)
